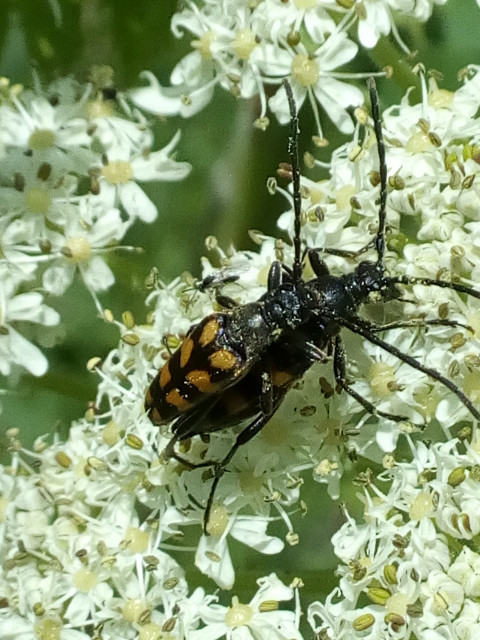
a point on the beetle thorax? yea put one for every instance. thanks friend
(286, 307)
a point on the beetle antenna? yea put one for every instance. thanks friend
(297, 198)
(382, 212)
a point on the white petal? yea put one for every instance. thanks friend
(377, 23)
(78, 609)
(318, 23)
(107, 196)
(192, 71)
(252, 532)
(136, 202)
(97, 275)
(73, 134)
(24, 306)
(157, 99)
(336, 51)
(58, 278)
(335, 96)
(279, 104)
(197, 99)
(43, 113)
(195, 79)
(272, 60)
(272, 588)
(26, 354)
(158, 166)
(108, 227)
(222, 571)
(187, 21)
(17, 628)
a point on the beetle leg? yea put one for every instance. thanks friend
(186, 427)
(314, 353)
(274, 275)
(318, 265)
(243, 437)
(339, 368)
(225, 301)
(266, 397)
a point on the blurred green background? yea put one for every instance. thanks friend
(225, 195)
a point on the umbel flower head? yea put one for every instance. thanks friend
(89, 525)
(248, 47)
(412, 566)
(70, 166)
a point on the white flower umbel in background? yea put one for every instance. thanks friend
(88, 525)
(69, 167)
(377, 17)
(245, 47)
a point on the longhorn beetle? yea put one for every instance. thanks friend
(236, 366)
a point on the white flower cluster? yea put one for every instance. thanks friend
(88, 525)
(246, 45)
(412, 568)
(70, 163)
(84, 552)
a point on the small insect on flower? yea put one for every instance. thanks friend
(236, 366)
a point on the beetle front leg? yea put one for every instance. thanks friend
(275, 275)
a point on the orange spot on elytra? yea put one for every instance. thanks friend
(148, 398)
(281, 378)
(165, 375)
(201, 380)
(186, 351)
(175, 398)
(223, 359)
(209, 332)
(155, 416)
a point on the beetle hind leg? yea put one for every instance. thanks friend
(220, 468)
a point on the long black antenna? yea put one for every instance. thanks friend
(364, 331)
(297, 198)
(382, 213)
(431, 282)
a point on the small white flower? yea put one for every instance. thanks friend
(168, 101)
(276, 20)
(212, 556)
(79, 247)
(31, 122)
(249, 621)
(443, 595)
(466, 571)
(313, 75)
(21, 307)
(467, 624)
(117, 178)
(245, 48)
(376, 22)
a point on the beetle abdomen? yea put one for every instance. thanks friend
(204, 364)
